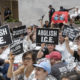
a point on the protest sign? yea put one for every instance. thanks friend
(47, 36)
(17, 47)
(17, 32)
(5, 38)
(60, 17)
(69, 31)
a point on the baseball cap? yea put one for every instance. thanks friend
(54, 55)
(44, 63)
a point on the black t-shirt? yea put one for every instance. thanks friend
(7, 14)
(77, 57)
(51, 12)
(58, 69)
(64, 9)
(46, 52)
(46, 26)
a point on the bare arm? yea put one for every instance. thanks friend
(41, 22)
(52, 25)
(71, 8)
(10, 69)
(19, 71)
(12, 73)
(40, 53)
(68, 47)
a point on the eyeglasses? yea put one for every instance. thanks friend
(27, 58)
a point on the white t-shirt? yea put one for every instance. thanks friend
(31, 77)
(75, 14)
(62, 48)
(28, 45)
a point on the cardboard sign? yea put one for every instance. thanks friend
(5, 38)
(17, 32)
(47, 36)
(71, 32)
(16, 47)
(60, 17)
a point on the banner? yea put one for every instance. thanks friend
(17, 32)
(69, 31)
(47, 36)
(5, 38)
(60, 17)
(17, 47)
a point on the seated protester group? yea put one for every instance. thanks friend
(29, 70)
(26, 71)
(50, 68)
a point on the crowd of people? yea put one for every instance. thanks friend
(46, 61)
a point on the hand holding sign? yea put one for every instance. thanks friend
(11, 58)
(66, 39)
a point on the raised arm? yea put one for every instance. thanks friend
(12, 73)
(71, 8)
(40, 53)
(41, 22)
(10, 69)
(68, 47)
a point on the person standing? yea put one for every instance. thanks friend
(51, 11)
(63, 9)
(7, 14)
